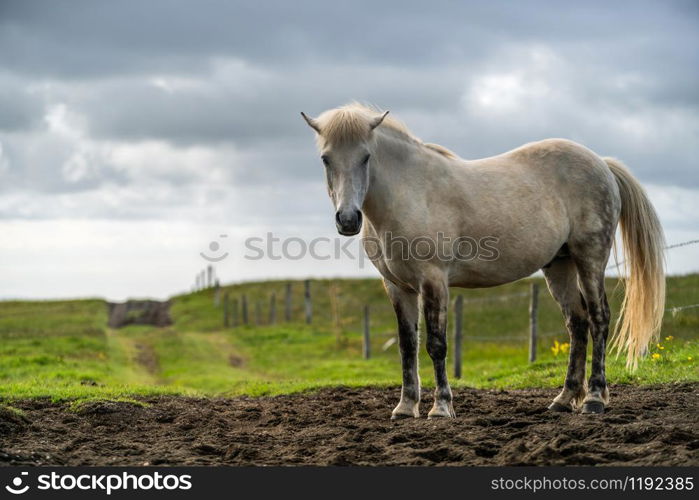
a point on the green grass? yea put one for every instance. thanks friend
(63, 350)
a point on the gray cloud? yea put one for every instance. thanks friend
(159, 104)
(19, 109)
(88, 38)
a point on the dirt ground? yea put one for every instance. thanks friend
(342, 426)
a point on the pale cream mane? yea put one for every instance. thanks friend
(350, 123)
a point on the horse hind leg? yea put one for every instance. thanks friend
(591, 276)
(561, 278)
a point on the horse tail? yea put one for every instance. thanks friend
(642, 237)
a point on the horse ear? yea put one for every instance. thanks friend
(311, 122)
(377, 121)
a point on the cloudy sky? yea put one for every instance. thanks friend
(133, 134)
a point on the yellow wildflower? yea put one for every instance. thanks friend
(556, 348)
(655, 355)
(560, 348)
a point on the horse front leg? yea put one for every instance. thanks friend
(435, 297)
(406, 308)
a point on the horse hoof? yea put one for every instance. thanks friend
(405, 409)
(593, 407)
(437, 416)
(559, 408)
(441, 412)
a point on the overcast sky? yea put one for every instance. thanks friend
(132, 134)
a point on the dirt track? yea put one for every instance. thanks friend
(644, 426)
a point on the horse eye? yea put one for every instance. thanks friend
(366, 159)
(326, 161)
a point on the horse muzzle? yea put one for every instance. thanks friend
(348, 222)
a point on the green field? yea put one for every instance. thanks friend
(63, 349)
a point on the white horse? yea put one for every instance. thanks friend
(551, 205)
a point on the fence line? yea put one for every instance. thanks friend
(498, 298)
(669, 247)
(683, 244)
(230, 313)
(533, 320)
(677, 309)
(511, 336)
(532, 339)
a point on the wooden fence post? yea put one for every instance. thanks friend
(217, 293)
(533, 312)
(245, 309)
(273, 308)
(367, 336)
(458, 334)
(307, 300)
(258, 313)
(209, 276)
(226, 322)
(287, 303)
(234, 313)
(335, 320)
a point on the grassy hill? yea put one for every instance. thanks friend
(63, 349)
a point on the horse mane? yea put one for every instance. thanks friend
(440, 149)
(350, 123)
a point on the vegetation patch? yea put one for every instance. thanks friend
(63, 350)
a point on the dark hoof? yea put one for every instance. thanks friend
(558, 407)
(593, 407)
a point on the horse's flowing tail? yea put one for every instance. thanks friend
(642, 237)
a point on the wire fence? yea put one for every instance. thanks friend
(616, 265)
(346, 314)
(674, 310)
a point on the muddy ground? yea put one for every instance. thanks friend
(341, 426)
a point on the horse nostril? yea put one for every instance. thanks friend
(348, 220)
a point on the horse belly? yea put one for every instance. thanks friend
(491, 274)
(512, 254)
